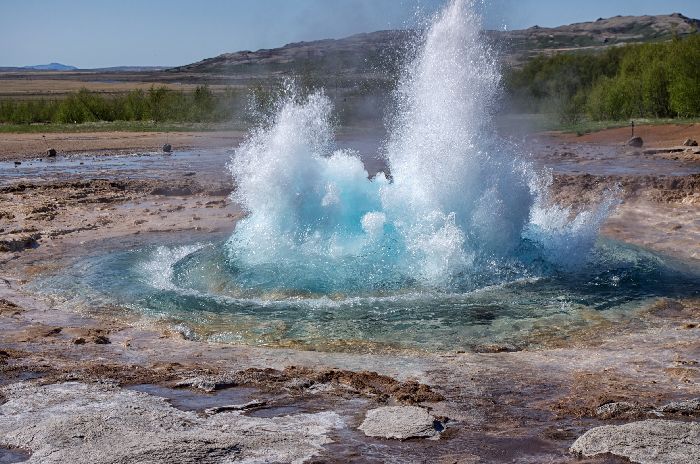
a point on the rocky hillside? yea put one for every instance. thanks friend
(39, 67)
(371, 52)
(357, 53)
(598, 34)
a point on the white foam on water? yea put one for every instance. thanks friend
(158, 270)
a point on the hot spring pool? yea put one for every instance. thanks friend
(458, 244)
(200, 291)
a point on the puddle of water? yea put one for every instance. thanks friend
(12, 455)
(189, 400)
(276, 406)
(138, 165)
(456, 444)
(201, 164)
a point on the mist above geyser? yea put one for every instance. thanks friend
(462, 208)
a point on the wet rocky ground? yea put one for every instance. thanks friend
(105, 386)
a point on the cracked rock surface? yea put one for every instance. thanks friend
(91, 423)
(646, 442)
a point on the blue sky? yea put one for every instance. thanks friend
(100, 33)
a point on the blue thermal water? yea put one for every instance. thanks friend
(194, 289)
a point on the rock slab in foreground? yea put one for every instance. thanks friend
(400, 422)
(645, 442)
(88, 423)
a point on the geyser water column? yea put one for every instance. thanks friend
(462, 208)
(315, 219)
(467, 196)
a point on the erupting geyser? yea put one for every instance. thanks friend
(457, 248)
(462, 207)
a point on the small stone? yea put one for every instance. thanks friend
(613, 410)
(254, 404)
(690, 143)
(496, 348)
(636, 142)
(101, 340)
(167, 148)
(208, 383)
(52, 332)
(400, 422)
(79, 341)
(685, 408)
(51, 153)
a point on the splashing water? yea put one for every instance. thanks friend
(462, 209)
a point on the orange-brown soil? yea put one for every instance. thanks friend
(662, 135)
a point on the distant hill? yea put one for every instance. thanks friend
(364, 53)
(50, 67)
(128, 69)
(599, 34)
(359, 52)
(62, 67)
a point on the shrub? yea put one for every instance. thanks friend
(650, 80)
(158, 104)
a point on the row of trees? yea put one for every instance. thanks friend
(657, 80)
(158, 104)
